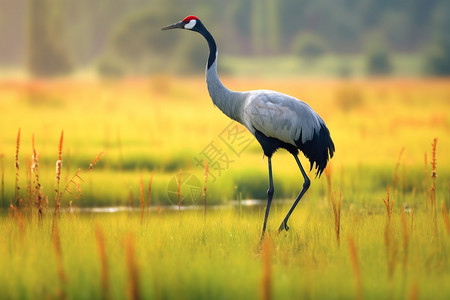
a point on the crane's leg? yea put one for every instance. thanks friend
(306, 185)
(269, 198)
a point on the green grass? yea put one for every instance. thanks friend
(183, 255)
(335, 65)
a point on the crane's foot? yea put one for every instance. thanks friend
(283, 226)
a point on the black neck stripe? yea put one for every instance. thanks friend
(211, 43)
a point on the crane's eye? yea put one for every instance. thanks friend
(190, 24)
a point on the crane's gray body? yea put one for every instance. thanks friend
(275, 115)
(281, 116)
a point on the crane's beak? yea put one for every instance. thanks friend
(176, 25)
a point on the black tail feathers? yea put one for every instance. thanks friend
(319, 149)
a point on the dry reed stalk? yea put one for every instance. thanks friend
(433, 162)
(70, 209)
(356, 268)
(266, 285)
(29, 194)
(94, 162)
(159, 209)
(100, 238)
(16, 164)
(337, 216)
(206, 181)
(58, 194)
(142, 198)
(179, 191)
(73, 180)
(38, 201)
(133, 274)
(391, 249)
(413, 292)
(445, 217)
(11, 212)
(425, 181)
(130, 199)
(149, 194)
(58, 174)
(59, 259)
(389, 205)
(433, 184)
(405, 240)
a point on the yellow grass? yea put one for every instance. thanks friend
(162, 124)
(168, 115)
(154, 130)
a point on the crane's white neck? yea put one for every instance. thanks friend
(229, 102)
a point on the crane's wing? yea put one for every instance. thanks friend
(292, 121)
(281, 116)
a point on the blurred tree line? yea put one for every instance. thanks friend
(52, 37)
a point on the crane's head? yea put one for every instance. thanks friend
(190, 23)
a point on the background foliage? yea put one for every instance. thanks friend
(116, 34)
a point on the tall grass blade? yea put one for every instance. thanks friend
(445, 217)
(58, 174)
(266, 283)
(17, 168)
(39, 197)
(405, 240)
(388, 204)
(104, 268)
(133, 274)
(58, 179)
(59, 261)
(337, 216)
(356, 268)
(433, 185)
(413, 292)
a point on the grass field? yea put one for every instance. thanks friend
(147, 130)
(183, 256)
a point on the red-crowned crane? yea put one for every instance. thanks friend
(275, 119)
